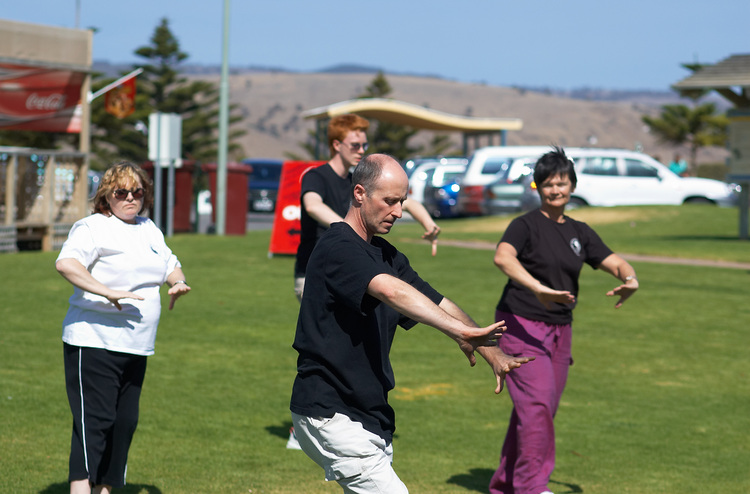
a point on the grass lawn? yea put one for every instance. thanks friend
(658, 400)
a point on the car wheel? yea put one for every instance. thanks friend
(575, 203)
(698, 200)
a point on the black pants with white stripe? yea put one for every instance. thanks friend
(104, 389)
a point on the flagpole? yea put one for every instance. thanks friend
(109, 87)
(221, 171)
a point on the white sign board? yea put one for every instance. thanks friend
(165, 139)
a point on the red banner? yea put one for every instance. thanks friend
(285, 236)
(120, 101)
(35, 98)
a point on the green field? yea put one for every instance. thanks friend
(658, 400)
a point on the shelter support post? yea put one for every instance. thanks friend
(320, 138)
(744, 207)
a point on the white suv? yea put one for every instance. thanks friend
(606, 177)
(616, 177)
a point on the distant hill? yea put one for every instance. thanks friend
(272, 100)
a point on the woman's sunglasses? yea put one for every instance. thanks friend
(122, 194)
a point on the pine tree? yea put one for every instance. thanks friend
(161, 88)
(387, 137)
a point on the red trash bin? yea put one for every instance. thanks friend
(183, 195)
(236, 200)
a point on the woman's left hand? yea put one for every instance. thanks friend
(620, 269)
(624, 291)
(176, 291)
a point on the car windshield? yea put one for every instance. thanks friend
(496, 166)
(451, 177)
(266, 172)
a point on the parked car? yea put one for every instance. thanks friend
(487, 165)
(441, 193)
(411, 164)
(263, 184)
(421, 171)
(510, 195)
(618, 177)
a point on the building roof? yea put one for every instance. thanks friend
(402, 113)
(730, 72)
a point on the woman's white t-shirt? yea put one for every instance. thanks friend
(122, 256)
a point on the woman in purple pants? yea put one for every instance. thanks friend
(542, 253)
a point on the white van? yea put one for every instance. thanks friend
(606, 177)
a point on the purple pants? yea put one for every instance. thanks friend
(528, 454)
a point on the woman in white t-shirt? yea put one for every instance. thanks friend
(117, 261)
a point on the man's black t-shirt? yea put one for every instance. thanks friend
(554, 254)
(336, 194)
(344, 335)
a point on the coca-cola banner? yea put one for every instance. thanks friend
(41, 99)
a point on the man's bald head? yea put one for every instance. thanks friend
(374, 168)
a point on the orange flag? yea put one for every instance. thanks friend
(120, 101)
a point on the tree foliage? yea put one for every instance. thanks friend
(37, 140)
(388, 137)
(161, 88)
(696, 127)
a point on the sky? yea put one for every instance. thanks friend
(602, 44)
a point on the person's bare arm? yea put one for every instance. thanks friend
(77, 274)
(500, 363)
(177, 286)
(412, 303)
(623, 271)
(419, 213)
(506, 258)
(318, 210)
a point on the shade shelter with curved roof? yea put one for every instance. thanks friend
(419, 117)
(731, 79)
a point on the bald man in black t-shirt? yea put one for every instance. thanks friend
(359, 288)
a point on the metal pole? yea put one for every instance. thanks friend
(136, 72)
(221, 172)
(170, 198)
(157, 174)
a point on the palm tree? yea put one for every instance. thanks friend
(696, 127)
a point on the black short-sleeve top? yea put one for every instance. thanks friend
(344, 335)
(336, 194)
(554, 254)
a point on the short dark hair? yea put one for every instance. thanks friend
(555, 162)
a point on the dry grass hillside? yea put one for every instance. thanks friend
(272, 104)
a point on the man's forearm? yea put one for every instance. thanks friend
(407, 300)
(455, 311)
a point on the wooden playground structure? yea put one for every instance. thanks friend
(42, 193)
